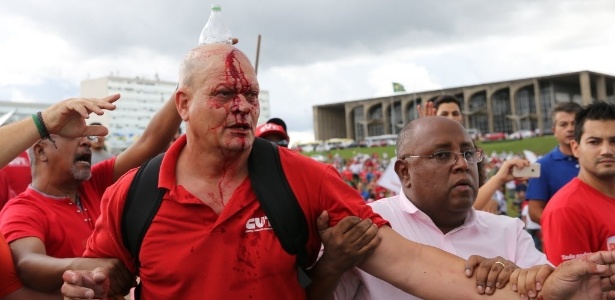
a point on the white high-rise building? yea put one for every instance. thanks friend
(140, 99)
(263, 99)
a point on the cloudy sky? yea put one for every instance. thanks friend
(312, 52)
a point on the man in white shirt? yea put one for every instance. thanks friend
(437, 168)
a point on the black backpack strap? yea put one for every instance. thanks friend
(279, 202)
(142, 204)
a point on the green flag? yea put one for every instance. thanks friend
(397, 87)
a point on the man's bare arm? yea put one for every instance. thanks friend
(423, 271)
(536, 207)
(43, 273)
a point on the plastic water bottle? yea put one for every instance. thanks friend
(215, 30)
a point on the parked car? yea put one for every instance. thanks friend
(494, 136)
(474, 133)
(521, 134)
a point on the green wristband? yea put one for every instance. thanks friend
(41, 131)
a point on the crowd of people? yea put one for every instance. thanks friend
(63, 235)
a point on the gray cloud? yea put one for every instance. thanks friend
(293, 32)
(320, 51)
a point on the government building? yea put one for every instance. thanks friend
(506, 106)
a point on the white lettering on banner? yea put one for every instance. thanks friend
(258, 224)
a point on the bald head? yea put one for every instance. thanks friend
(205, 56)
(416, 131)
(218, 99)
(434, 171)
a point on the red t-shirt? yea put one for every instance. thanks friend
(5, 190)
(577, 221)
(190, 252)
(9, 282)
(56, 221)
(19, 174)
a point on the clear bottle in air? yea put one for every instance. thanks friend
(215, 30)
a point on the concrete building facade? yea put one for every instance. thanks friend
(15, 111)
(507, 106)
(140, 99)
(265, 114)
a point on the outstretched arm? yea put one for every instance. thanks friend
(44, 273)
(154, 140)
(503, 175)
(431, 273)
(590, 277)
(345, 246)
(66, 118)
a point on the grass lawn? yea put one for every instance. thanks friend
(538, 145)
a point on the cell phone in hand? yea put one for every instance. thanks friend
(531, 171)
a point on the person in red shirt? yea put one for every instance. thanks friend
(274, 133)
(47, 226)
(579, 217)
(19, 174)
(211, 222)
(65, 118)
(6, 192)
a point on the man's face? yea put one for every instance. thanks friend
(222, 107)
(450, 110)
(596, 150)
(276, 138)
(98, 143)
(444, 192)
(73, 157)
(563, 127)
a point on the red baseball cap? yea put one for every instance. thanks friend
(270, 128)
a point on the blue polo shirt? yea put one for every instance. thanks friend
(556, 169)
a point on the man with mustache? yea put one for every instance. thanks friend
(579, 217)
(65, 118)
(47, 225)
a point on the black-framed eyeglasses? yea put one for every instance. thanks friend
(447, 158)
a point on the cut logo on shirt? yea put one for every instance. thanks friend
(258, 224)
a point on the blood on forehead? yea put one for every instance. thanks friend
(235, 75)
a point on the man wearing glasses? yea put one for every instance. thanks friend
(437, 169)
(99, 150)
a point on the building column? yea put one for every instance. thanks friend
(489, 94)
(404, 109)
(364, 123)
(349, 125)
(385, 116)
(538, 103)
(512, 93)
(315, 117)
(601, 88)
(466, 108)
(586, 91)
